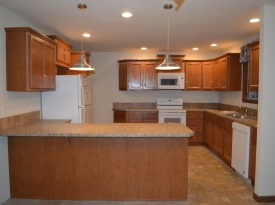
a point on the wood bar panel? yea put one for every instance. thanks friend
(98, 168)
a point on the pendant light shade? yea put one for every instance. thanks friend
(168, 64)
(82, 64)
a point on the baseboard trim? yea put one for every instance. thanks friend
(263, 198)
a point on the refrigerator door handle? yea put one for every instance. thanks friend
(81, 99)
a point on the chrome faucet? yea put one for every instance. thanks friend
(245, 109)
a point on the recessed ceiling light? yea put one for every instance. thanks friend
(126, 14)
(195, 49)
(214, 44)
(87, 35)
(255, 20)
(143, 48)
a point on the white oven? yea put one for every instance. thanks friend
(170, 110)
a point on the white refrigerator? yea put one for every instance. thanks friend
(71, 99)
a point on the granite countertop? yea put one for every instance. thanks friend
(252, 122)
(56, 129)
(136, 109)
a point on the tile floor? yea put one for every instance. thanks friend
(210, 182)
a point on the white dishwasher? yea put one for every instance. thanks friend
(240, 148)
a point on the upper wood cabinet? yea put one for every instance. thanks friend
(75, 55)
(178, 59)
(251, 75)
(254, 67)
(227, 73)
(63, 51)
(208, 75)
(138, 74)
(30, 60)
(193, 75)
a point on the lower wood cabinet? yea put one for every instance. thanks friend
(252, 155)
(135, 116)
(194, 120)
(218, 136)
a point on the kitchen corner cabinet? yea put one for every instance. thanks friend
(218, 136)
(208, 75)
(135, 116)
(63, 51)
(178, 59)
(227, 73)
(138, 74)
(75, 55)
(194, 120)
(30, 60)
(193, 75)
(252, 155)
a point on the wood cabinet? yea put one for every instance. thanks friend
(208, 75)
(178, 59)
(74, 57)
(254, 67)
(251, 75)
(194, 120)
(135, 116)
(227, 73)
(138, 75)
(30, 60)
(218, 136)
(252, 155)
(63, 51)
(193, 75)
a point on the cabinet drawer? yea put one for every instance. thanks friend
(134, 115)
(196, 138)
(196, 129)
(150, 116)
(195, 115)
(194, 123)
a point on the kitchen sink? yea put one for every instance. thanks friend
(239, 115)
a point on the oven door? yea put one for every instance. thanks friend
(172, 117)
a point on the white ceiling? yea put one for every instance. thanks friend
(198, 23)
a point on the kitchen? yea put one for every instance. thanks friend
(106, 71)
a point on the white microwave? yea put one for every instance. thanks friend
(171, 81)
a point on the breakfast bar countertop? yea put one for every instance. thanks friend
(56, 129)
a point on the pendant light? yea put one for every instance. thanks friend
(81, 64)
(168, 64)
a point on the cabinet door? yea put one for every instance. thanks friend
(217, 74)
(60, 52)
(219, 140)
(252, 155)
(220, 74)
(223, 74)
(149, 81)
(193, 76)
(123, 80)
(254, 68)
(227, 146)
(209, 134)
(49, 71)
(208, 75)
(135, 78)
(67, 55)
(36, 60)
(119, 116)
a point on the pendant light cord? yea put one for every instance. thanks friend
(82, 31)
(168, 32)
